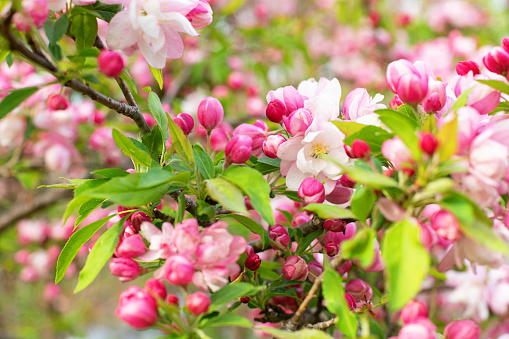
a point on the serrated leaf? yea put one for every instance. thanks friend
(87, 208)
(154, 143)
(181, 144)
(498, 85)
(158, 75)
(404, 127)
(448, 145)
(348, 128)
(111, 172)
(55, 29)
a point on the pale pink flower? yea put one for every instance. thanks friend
(359, 106)
(161, 241)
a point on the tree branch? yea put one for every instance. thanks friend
(324, 324)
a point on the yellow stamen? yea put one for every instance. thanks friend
(318, 148)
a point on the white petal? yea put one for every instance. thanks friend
(179, 23)
(121, 33)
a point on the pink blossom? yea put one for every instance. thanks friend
(396, 152)
(137, 308)
(358, 104)
(186, 236)
(161, 241)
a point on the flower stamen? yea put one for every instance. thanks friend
(318, 148)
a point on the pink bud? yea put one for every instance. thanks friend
(497, 60)
(279, 235)
(339, 194)
(172, 299)
(298, 122)
(110, 63)
(245, 300)
(292, 98)
(359, 290)
(185, 122)
(125, 268)
(428, 143)
(395, 102)
(137, 218)
(295, 268)
(332, 248)
(156, 288)
(360, 149)
(275, 111)
(57, 102)
(315, 269)
(335, 225)
(131, 246)
(201, 15)
(350, 301)
(311, 191)
(235, 80)
(346, 181)
(253, 262)
(413, 311)
(137, 308)
(436, 97)
(462, 329)
(446, 225)
(463, 67)
(239, 149)
(210, 113)
(198, 303)
(404, 80)
(347, 266)
(271, 145)
(178, 270)
(420, 329)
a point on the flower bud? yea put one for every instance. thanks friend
(110, 63)
(178, 270)
(271, 144)
(201, 15)
(156, 288)
(396, 152)
(413, 311)
(462, 329)
(315, 269)
(239, 149)
(279, 235)
(137, 218)
(185, 122)
(275, 111)
(311, 191)
(137, 308)
(245, 300)
(125, 268)
(446, 225)
(463, 67)
(436, 97)
(210, 113)
(350, 301)
(497, 60)
(335, 225)
(172, 299)
(332, 248)
(346, 181)
(360, 149)
(428, 143)
(347, 266)
(295, 268)
(359, 290)
(131, 246)
(198, 303)
(404, 80)
(339, 194)
(235, 80)
(253, 262)
(298, 122)
(57, 102)
(420, 329)
(395, 102)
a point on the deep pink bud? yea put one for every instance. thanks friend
(413, 311)
(315, 269)
(131, 246)
(335, 225)
(346, 181)
(110, 63)
(121, 209)
(201, 15)
(463, 67)
(360, 149)
(462, 329)
(350, 301)
(253, 262)
(298, 122)
(428, 143)
(311, 191)
(185, 122)
(497, 60)
(125, 268)
(156, 288)
(137, 218)
(359, 290)
(295, 268)
(239, 149)
(446, 225)
(172, 299)
(420, 329)
(178, 270)
(57, 102)
(275, 111)
(279, 235)
(332, 248)
(395, 102)
(347, 266)
(404, 79)
(137, 308)
(198, 303)
(210, 113)
(271, 144)
(245, 300)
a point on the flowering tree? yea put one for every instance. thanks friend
(321, 220)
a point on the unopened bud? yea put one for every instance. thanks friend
(210, 113)
(311, 191)
(428, 143)
(110, 63)
(463, 67)
(253, 262)
(239, 149)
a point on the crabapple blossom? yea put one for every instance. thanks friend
(110, 63)
(464, 329)
(295, 268)
(137, 308)
(210, 113)
(185, 122)
(359, 289)
(279, 235)
(413, 310)
(271, 144)
(239, 149)
(311, 191)
(156, 288)
(198, 303)
(125, 268)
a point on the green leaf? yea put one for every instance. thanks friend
(156, 109)
(360, 247)
(111, 172)
(330, 211)
(267, 165)
(498, 85)
(9, 59)
(204, 162)
(408, 111)
(362, 202)
(461, 100)
(181, 208)
(101, 252)
(334, 293)
(87, 208)
(105, 12)
(14, 99)
(302, 334)
(348, 128)
(304, 244)
(254, 185)
(407, 262)
(158, 75)
(374, 136)
(181, 144)
(367, 176)
(154, 143)
(251, 225)
(227, 320)
(55, 50)
(227, 195)
(447, 146)
(129, 148)
(55, 29)
(74, 244)
(231, 292)
(84, 29)
(404, 127)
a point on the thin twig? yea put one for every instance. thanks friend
(324, 324)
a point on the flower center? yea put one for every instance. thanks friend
(318, 148)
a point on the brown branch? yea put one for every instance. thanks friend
(324, 324)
